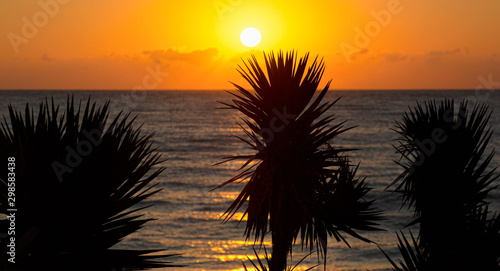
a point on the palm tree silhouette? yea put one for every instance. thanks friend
(445, 182)
(76, 185)
(298, 184)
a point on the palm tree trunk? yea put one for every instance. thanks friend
(282, 233)
(282, 240)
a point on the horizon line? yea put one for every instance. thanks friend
(389, 89)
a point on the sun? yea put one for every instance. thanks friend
(250, 37)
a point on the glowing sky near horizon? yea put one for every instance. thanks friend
(378, 44)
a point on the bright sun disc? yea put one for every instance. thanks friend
(250, 37)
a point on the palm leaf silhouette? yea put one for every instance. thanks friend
(445, 182)
(76, 187)
(297, 183)
(413, 259)
(260, 266)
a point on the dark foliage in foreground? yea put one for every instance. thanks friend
(75, 189)
(260, 266)
(298, 185)
(445, 182)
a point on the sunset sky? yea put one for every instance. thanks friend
(119, 44)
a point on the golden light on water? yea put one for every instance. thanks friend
(224, 251)
(239, 216)
(253, 269)
(229, 195)
(229, 257)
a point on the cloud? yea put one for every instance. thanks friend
(394, 57)
(493, 60)
(443, 53)
(435, 57)
(45, 57)
(196, 56)
(358, 53)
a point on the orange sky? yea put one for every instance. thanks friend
(124, 44)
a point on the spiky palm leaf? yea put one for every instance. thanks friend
(445, 179)
(296, 182)
(482, 240)
(479, 247)
(76, 185)
(442, 153)
(260, 266)
(413, 258)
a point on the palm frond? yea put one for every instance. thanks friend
(445, 182)
(260, 266)
(76, 185)
(413, 257)
(294, 173)
(444, 156)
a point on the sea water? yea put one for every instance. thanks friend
(193, 134)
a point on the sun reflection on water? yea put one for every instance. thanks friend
(239, 216)
(224, 250)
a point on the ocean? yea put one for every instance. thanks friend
(192, 134)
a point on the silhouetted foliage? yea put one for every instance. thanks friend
(260, 266)
(413, 259)
(75, 189)
(298, 185)
(445, 182)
